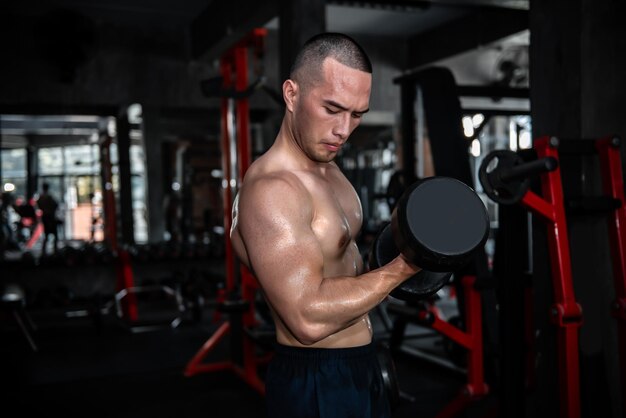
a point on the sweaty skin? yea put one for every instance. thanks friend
(296, 217)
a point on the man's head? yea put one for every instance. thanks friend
(327, 94)
(307, 67)
(45, 187)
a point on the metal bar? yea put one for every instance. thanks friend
(539, 206)
(253, 380)
(450, 331)
(125, 281)
(194, 366)
(557, 234)
(226, 111)
(110, 216)
(566, 314)
(529, 169)
(25, 332)
(242, 112)
(476, 385)
(494, 91)
(236, 159)
(613, 185)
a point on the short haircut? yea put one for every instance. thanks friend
(308, 63)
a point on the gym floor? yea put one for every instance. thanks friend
(105, 369)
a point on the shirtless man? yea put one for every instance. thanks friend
(295, 220)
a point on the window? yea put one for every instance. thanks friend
(14, 171)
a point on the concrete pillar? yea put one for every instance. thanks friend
(153, 139)
(32, 171)
(126, 202)
(299, 20)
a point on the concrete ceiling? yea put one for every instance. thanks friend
(354, 14)
(416, 22)
(400, 18)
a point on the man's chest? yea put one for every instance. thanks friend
(337, 217)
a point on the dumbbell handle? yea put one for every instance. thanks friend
(529, 169)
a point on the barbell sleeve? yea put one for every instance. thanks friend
(529, 169)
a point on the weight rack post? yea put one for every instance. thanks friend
(565, 313)
(236, 159)
(613, 185)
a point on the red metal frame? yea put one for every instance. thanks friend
(565, 313)
(126, 280)
(613, 184)
(471, 339)
(125, 277)
(35, 234)
(234, 68)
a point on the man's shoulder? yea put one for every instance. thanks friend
(274, 183)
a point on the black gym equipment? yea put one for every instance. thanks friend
(388, 372)
(505, 176)
(565, 312)
(434, 90)
(438, 224)
(422, 285)
(13, 300)
(398, 183)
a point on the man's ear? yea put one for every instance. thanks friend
(290, 93)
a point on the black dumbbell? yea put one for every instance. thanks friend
(438, 224)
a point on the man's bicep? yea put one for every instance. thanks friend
(284, 253)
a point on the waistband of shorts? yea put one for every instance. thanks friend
(324, 353)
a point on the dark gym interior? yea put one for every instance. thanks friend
(141, 116)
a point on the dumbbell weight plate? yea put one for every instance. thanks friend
(418, 287)
(389, 375)
(438, 223)
(506, 193)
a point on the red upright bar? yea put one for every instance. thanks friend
(124, 270)
(565, 313)
(471, 339)
(236, 159)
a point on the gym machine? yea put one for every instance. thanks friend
(124, 303)
(430, 103)
(470, 339)
(236, 301)
(507, 182)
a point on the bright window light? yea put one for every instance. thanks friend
(475, 148)
(477, 119)
(512, 135)
(468, 127)
(525, 141)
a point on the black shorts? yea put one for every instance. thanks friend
(325, 383)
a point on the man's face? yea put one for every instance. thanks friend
(327, 112)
